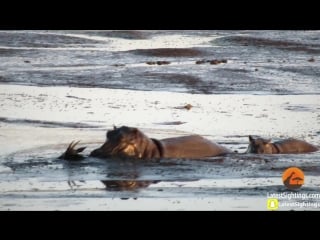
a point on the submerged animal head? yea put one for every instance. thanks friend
(259, 145)
(71, 153)
(123, 142)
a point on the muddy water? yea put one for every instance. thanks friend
(270, 62)
(235, 177)
(238, 83)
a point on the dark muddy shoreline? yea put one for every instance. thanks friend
(264, 62)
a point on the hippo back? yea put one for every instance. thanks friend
(295, 146)
(193, 146)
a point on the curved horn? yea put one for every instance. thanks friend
(75, 144)
(70, 145)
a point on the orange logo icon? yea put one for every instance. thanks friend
(293, 178)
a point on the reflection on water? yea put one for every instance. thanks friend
(115, 185)
(127, 185)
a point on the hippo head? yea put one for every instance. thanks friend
(122, 142)
(259, 145)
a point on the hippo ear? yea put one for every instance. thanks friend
(251, 138)
(114, 127)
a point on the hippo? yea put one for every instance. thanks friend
(286, 146)
(130, 142)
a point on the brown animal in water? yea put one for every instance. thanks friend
(128, 142)
(291, 145)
